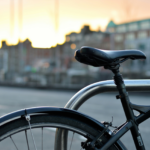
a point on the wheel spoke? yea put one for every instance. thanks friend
(71, 141)
(28, 119)
(27, 139)
(42, 138)
(13, 142)
(38, 124)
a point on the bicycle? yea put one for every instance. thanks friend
(95, 135)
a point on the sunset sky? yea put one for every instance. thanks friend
(38, 18)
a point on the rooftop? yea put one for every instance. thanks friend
(112, 24)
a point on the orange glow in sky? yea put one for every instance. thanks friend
(38, 18)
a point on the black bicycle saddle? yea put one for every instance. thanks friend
(97, 57)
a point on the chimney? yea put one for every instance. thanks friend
(4, 43)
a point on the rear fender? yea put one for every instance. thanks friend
(50, 110)
(55, 110)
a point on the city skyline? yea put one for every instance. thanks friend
(38, 22)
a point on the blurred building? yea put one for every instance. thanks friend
(132, 35)
(76, 72)
(56, 66)
(18, 60)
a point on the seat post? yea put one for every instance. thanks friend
(123, 96)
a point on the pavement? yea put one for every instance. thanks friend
(102, 107)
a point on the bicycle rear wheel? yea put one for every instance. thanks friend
(16, 134)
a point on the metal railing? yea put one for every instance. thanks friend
(96, 88)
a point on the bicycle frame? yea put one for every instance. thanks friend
(108, 86)
(127, 126)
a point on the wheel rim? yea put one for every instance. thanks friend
(39, 130)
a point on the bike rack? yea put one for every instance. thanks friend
(96, 88)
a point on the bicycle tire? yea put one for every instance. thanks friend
(11, 129)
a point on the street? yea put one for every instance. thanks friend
(101, 107)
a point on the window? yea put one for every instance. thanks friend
(130, 46)
(133, 26)
(99, 36)
(145, 25)
(118, 38)
(121, 28)
(142, 34)
(87, 38)
(111, 29)
(130, 36)
(67, 38)
(79, 37)
(141, 46)
(73, 38)
(119, 47)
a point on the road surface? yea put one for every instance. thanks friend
(102, 107)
